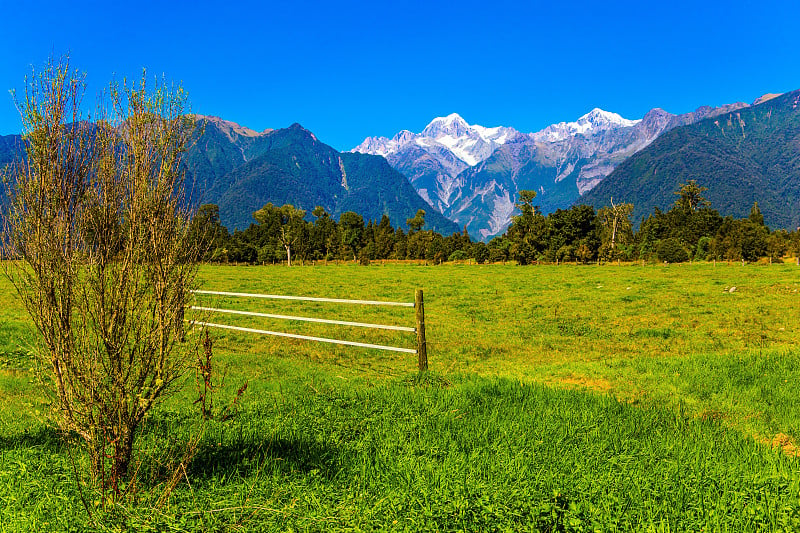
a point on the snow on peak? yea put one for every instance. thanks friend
(598, 117)
(376, 146)
(452, 117)
(452, 125)
(469, 143)
(403, 136)
(595, 121)
(474, 143)
(451, 120)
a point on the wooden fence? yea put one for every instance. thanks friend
(421, 349)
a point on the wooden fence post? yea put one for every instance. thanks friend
(422, 346)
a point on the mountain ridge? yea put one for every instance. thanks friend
(745, 155)
(479, 191)
(241, 170)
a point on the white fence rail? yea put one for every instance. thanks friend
(305, 298)
(421, 350)
(304, 319)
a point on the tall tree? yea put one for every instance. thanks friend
(528, 229)
(417, 222)
(690, 196)
(352, 228)
(323, 235)
(617, 227)
(292, 225)
(208, 232)
(755, 215)
(384, 238)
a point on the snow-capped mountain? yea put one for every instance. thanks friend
(433, 158)
(592, 123)
(469, 143)
(473, 174)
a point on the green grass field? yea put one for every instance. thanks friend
(571, 398)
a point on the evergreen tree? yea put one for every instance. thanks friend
(323, 234)
(351, 225)
(400, 249)
(755, 215)
(384, 239)
(208, 232)
(415, 224)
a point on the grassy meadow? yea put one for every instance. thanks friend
(559, 398)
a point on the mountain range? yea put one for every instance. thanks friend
(748, 155)
(241, 170)
(473, 174)
(469, 176)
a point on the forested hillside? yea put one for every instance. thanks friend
(241, 171)
(746, 156)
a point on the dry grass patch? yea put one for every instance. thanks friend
(586, 382)
(786, 444)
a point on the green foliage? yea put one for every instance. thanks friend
(415, 224)
(364, 257)
(352, 230)
(755, 215)
(480, 251)
(616, 229)
(670, 250)
(242, 173)
(690, 197)
(207, 230)
(740, 239)
(565, 234)
(703, 249)
(283, 232)
(778, 244)
(458, 255)
(574, 234)
(688, 220)
(292, 229)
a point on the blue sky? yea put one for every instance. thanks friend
(346, 70)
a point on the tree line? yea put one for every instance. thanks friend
(286, 234)
(689, 230)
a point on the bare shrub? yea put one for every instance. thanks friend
(97, 227)
(207, 385)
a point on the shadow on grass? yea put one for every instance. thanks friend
(283, 456)
(43, 437)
